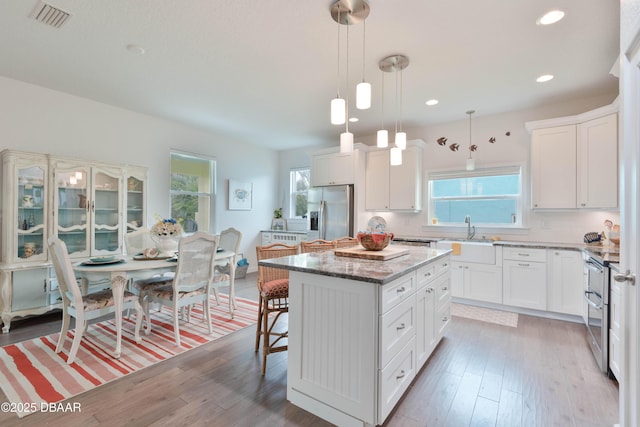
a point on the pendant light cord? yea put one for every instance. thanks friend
(401, 71)
(396, 101)
(347, 73)
(364, 37)
(470, 134)
(382, 99)
(338, 74)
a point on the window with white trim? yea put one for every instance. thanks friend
(299, 180)
(192, 191)
(491, 197)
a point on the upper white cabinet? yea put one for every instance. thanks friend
(394, 187)
(332, 169)
(574, 161)
(598, 163)
(553, 167)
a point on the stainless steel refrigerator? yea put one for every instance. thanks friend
(330, 212)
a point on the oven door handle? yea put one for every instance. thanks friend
(591, 303)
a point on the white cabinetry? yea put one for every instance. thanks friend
(598, 163)
(565, 281)
(332, 169)
(394, 187)
(350, 362)
(553, 167)
(136, 200)
(524, 278)
(480, 282)
(574, 161)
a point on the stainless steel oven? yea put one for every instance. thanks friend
(597, 319)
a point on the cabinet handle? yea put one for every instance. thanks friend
(400, 290)
(445, 265)
(444, 288)
(445, 319)
(427, 274)
(523, 265)
(401, 327)
(523, 254)
(401, 375)
(429, 290)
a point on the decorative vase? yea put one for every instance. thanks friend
(166, 245)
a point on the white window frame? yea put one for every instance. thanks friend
(500, 169)
(212, 186)
(293, 192)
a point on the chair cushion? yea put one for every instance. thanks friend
(221, 278)
(166, 293)
(153, 282)
(104, 298)
(276, 289)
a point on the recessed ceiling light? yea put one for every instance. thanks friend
(544, 78)
(432, 102)
(353, 119)
(134, 48)
(550, 17)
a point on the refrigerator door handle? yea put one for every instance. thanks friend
(321, 220)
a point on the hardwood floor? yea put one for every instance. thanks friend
(538, 374)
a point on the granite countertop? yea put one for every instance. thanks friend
(364, 270)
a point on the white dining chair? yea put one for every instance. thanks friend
(192, 283)
(84, 308)
(230, 239)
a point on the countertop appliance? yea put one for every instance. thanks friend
(597, 296)
(330, 212)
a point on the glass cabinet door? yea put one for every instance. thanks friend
(135, 203)
(31, 219)
(106, 212)
(72, 207)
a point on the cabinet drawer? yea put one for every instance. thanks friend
(443, 265)
(443, 290)
(426, 274)
(524, 254)
(397, 291)
(397, 328)
(396, 378)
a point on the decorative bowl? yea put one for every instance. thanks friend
(374, 241)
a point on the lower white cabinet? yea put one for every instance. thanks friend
(565, 281)
(524, 278)
(480, 282)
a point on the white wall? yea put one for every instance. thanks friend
(36, 119)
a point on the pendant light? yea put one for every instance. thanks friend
(346, 137)
(395, 64)
(363, 89)
(382, 140)
(348, 12)
(470, 162)
(401, 137)
(338, 105)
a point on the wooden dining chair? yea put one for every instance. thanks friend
(191, 284)
(84, 308)
(346, 242)
(318, 245)
(273, 288)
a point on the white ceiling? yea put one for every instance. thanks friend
(265, 71)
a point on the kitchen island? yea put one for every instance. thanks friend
(361, 329)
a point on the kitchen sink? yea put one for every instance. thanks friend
(477, 251)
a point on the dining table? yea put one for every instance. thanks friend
(138, 267)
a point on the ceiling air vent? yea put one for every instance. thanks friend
(49, 15)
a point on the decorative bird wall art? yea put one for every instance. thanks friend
(442, 141)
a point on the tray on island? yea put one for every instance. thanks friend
(390, 252)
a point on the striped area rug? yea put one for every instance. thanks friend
(33, 375)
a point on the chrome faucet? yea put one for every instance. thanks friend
(471, 229)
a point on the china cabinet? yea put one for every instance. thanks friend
(81, 202)
(88, 208)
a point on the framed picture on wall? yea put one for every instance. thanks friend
(240, 194)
